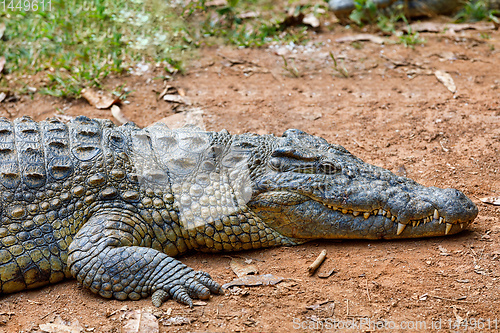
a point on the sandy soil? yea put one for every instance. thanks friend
(391, 111)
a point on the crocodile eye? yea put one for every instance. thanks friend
(328, 167)
(276, 164)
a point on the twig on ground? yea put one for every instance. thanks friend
(319, 260)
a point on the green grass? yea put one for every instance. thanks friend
(366, 12)
(78, 43)
(341, 69)
(474, 11)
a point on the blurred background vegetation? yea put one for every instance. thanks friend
(76, 44)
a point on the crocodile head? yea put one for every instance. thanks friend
(305, 188)
(298, 185)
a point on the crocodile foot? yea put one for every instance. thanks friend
(107, 259)
(195, 284)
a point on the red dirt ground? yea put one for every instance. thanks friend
(390, 111)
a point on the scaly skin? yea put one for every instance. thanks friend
(111, 206)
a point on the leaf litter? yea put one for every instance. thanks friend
(491, 200)
(242, 267)
(62, 326)
(446, 79)
(139, 321)
(255, 280)
(99, 99)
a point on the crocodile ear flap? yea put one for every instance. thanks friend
(284, 152)
(297, 154)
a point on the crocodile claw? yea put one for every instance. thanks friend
(193, 285)
(159, 297)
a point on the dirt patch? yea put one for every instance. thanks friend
(391, 111)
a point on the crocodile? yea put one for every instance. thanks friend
(411, 8)
(113, 205)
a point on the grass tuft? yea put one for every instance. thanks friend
(474, 11)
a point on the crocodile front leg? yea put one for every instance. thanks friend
(109, 256)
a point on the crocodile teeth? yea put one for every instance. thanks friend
(436, 214)
(418, 223)
(393, 218)
(461, 225)
(355, 213)
(344, 211)
(414, 223)
(375, 212)
(401, 228)
(382, 212)
(448, 228)
(366, 215)
(388, 214)
(441, 220)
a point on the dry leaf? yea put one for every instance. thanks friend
(2, 29)
(491, 200)
(139, 321)
(453, 27)
(447, 80)
(176, 321)
(424, 27)
(361, 37)
(255, 280)
(312, 116)
(2, 63)
(216, 3)
(255, 69)
(248, 15)
(118, 114)
(177, 99)
(61, 326)
(326, 274)
(192, 117)
(447, 55)
(171, 90)
(98, 99)
(2, 96)
(311, 20)
(241, 268)
(483, 26)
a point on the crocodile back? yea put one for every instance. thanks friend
(52, 175)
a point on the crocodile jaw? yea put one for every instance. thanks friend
(299, 216)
